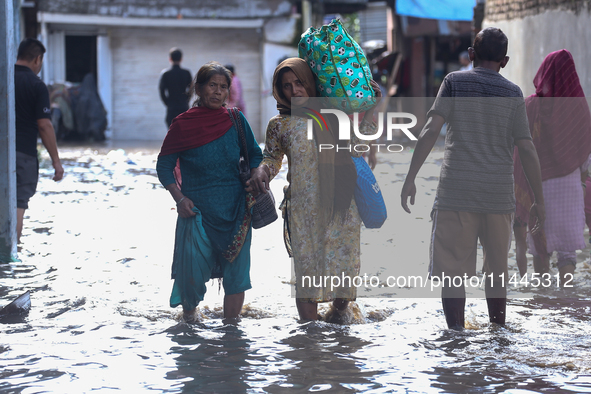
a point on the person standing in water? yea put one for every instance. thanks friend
(560, 125)
(486, 117)
(174, 86)
(33, 119)
(321, 221)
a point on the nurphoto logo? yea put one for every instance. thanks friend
(392, 120)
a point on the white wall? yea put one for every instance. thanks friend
(374, 22)
(533, 37)
(140, 54)
(104, 63)
(56, 57)
(279, 34)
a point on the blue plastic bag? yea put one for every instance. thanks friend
(368, 196)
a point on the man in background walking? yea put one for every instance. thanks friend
(174, 87)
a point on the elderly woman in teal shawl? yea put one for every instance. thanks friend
(198, 165)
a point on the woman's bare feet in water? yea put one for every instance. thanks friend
(189, 316)
(336, 314)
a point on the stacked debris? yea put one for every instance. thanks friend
(77, 112)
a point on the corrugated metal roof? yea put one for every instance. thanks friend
(374, 22)
(227, 9)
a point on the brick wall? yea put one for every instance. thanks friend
(497, 10)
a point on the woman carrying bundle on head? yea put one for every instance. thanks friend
(322, 224)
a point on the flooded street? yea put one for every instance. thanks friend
(96, 255)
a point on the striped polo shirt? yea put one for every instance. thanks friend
(485, 115)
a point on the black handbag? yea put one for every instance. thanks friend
(263, 211)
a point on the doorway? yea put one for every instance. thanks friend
(80, 57)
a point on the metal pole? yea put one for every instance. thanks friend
(7, 135)
(306, 15)
(46, 71)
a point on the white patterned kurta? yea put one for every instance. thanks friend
(319, 250)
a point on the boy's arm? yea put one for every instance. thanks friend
(531, 168)
(425, 144)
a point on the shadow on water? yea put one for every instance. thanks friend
(480, 361)
(314, 356)
(322, 356)
(209, 359)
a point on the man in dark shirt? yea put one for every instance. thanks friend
(174, 87)
(33, 119)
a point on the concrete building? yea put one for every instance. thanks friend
(536, 28)
(125, 44)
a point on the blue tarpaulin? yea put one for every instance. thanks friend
(455, 10)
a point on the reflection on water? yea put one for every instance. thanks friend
(209, 357)
(96, 258)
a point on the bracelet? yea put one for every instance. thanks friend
(584, 185)
(180, 201)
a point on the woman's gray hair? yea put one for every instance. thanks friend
(205, 73)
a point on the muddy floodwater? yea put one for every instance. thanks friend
(96, 257)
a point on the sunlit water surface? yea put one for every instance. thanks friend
(96, 257)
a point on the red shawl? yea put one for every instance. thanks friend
(560, 124)
(194, 128)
